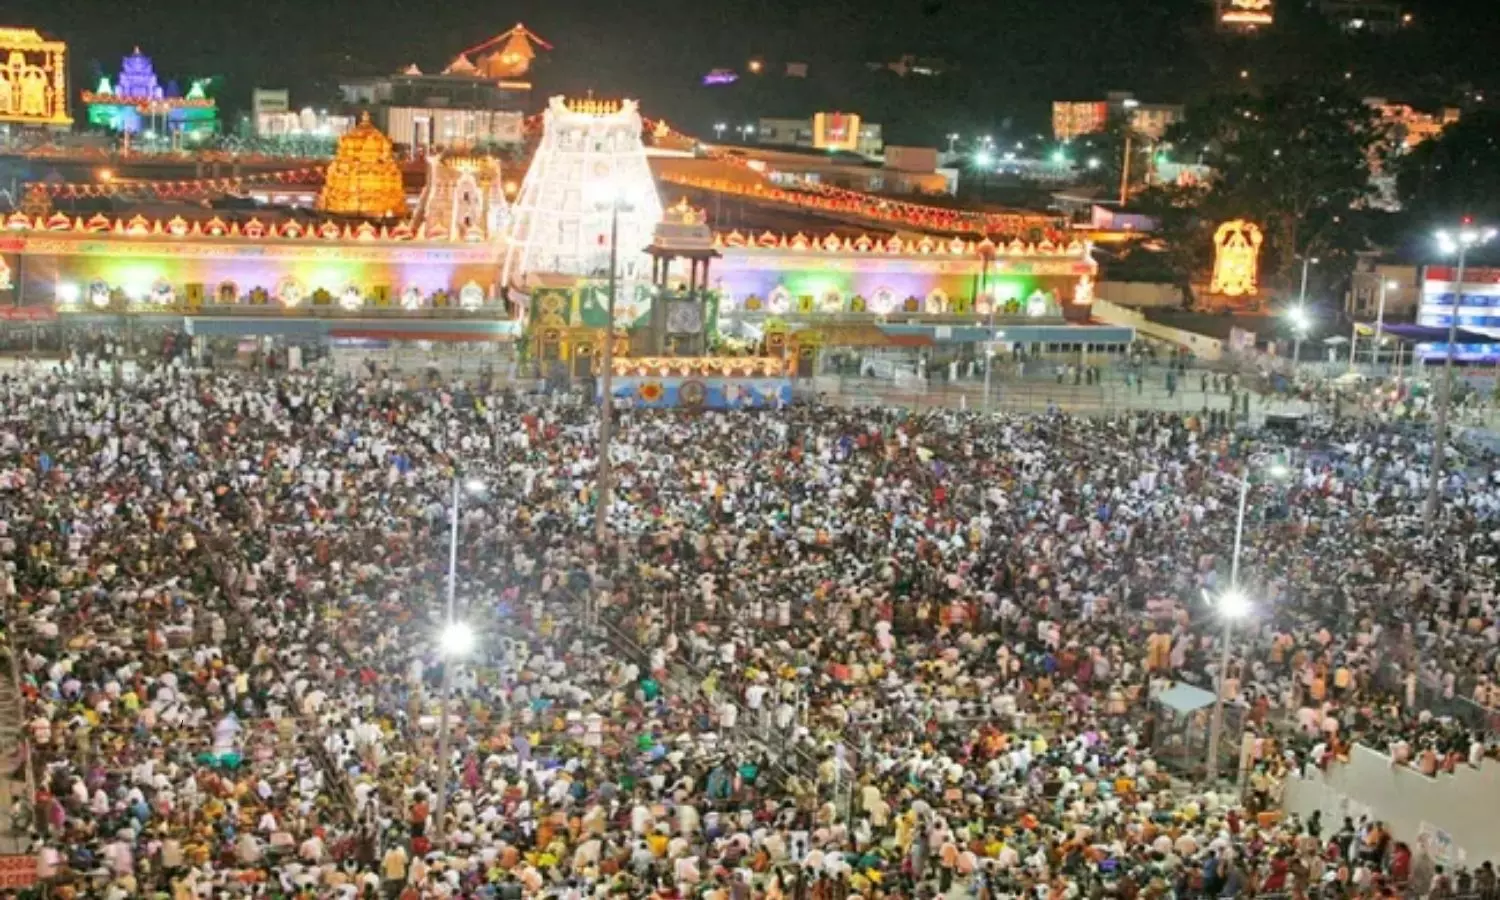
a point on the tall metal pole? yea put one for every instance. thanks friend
(1216, 724)
(606, 383)
(1125, 171)
(1380, 320)
(441, 807)
(989, 338)
(1440, 431)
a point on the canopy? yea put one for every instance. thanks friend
(1185, 698)
(1437, 334)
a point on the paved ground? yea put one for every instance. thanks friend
(11, 725)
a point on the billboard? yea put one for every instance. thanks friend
(836, 131)
(1478, 309)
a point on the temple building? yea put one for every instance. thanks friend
(478, 101)
(589, 168)
(364, 179)
(138, 104)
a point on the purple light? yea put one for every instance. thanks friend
(720, 76)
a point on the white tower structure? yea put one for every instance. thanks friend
(589, 166)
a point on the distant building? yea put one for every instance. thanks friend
(1070, 119)
(272, 118)
(1365, 16)
(832, 131)
(1408, 125)
(479, 100)
(1403, 292)
(911, 65)
(1244, 16)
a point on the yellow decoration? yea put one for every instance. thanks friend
(33, 78)
(363, 179)
(1236, 259)
(593, 107)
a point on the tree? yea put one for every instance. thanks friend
(1296, 159)
(1453, 175)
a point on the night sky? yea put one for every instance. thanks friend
(1011, 57)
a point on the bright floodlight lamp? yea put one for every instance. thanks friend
(983, 159)
(474, 486)
(1233, 604)
(1278, 470)
(1298, 317)
(457, 639)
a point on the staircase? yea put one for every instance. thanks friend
(15, 764)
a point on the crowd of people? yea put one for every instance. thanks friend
(821, 653)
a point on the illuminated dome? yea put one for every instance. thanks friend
(363, 179)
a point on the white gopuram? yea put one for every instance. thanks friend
(590, 160)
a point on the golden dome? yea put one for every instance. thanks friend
(364, 179)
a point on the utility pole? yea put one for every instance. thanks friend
(606, 384)
(1466, 238)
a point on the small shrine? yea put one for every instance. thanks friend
(683, 313)
(364, 178)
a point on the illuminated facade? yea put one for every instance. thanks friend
(1236, 259)
(1071, 119)
(1244, 15)
(590, 159)
(136, 102)
(465, 196)
(33, 79)
(364, 179)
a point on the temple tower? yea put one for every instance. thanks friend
(590, 165)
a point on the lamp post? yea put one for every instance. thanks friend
(1450, 243)
(952, 142)
(1300, 322)
(456, 640)
(1385, 284)
(719, 130)
(1231, 606)
(614, 201)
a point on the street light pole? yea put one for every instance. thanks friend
(441, 807)
(1465, 239)
(606, 384)
(1380, 317)
(1216, 724)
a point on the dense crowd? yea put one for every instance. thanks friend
(822, 653)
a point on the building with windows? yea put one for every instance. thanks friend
(1075, 118)
(832, 131)
(479, 100)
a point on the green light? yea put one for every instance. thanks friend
(1060, 158)
(983, 159)
(104, 89)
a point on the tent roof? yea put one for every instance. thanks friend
(1185, 698)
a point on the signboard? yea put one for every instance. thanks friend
(1478, 309)
(836, 131)
(17, 871)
